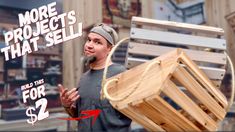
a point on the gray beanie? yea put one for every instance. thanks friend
(107, 32)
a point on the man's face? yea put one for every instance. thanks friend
(96, 46)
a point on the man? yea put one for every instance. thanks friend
(99, 43)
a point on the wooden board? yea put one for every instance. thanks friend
(199, 92)
(157, 117)
(175, 116)
(189, 106)
(157, 50)
(202, 77)
(175, 25)
(177, 39)
(141, 119)
(212, 73)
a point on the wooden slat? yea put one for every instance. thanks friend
(177, 25)
(141, 119)
(157, 117)
(217, 83)
(132, 62)
(199, 92)
(202, 77)
(156, 50)
(175, 116)
(212, 73)
(189, 106)
(178, 39)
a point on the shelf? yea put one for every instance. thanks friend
(18, 80)
(51, 93)
(57, 109)
(44, 54)
(2, 44)
(55, 60)
(230, 114)
(35, 68)
(52, 74)
(22, 125)
(13, 98)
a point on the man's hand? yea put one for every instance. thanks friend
(68, 98)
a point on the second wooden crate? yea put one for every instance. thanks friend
(149, 94)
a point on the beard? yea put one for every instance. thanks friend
(88, 60)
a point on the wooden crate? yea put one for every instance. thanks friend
(147, 105)
(204, 45)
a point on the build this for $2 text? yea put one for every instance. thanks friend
(35, 91)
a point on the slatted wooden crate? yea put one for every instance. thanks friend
(143, 98)
(204, 45)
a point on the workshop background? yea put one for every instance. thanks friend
(62, 63)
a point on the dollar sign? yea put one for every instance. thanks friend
(32, 116)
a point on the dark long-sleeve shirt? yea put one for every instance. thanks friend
(89, 89)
